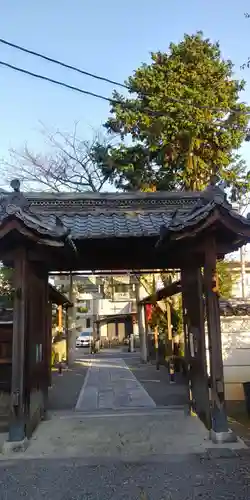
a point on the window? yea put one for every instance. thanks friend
(88, 322)
(121, 288)
(124, 288)
(84, 306)
(82, 310)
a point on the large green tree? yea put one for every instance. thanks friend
(183, 122)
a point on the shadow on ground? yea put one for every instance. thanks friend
(65, 389)
(157, 383)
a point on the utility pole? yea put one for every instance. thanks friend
(141, 324)
(243, 272)
(71, 332)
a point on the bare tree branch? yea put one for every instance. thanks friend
(69, 166)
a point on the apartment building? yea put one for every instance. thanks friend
(105, 304)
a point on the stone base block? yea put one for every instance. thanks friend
(15, 446)
(223, 437)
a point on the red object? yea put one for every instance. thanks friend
(149, 311)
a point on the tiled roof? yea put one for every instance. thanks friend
(105, 215)
(111, 224)
(213, 207)
(15, 205)
(201, 213)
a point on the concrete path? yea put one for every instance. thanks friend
(110, 384)
(116, 419)
(124, 436)
(124, 447)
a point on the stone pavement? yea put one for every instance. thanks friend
(110, 384)
(136, 447)
(116, 418)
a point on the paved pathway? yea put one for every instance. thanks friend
(123, 446)
(110, 384)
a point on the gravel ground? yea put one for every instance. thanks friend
(179, 478)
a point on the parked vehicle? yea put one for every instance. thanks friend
(84, 340)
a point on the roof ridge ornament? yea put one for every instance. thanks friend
(215, 191)
(14, 201)
(15, 184)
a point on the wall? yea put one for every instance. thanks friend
(103, 331)
(60, 349)
(105, 307)
(236, 356)
(236, 270)
(84, 318)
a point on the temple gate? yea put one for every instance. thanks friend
(65, 232)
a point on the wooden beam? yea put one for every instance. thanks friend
(165, 292)
(58, 298)
(220, 430)
(194, 329)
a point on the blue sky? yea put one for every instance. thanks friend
(109, 38)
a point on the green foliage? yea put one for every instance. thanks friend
(226, 279)
(82, 310)
(6, 286)
(175, 143)
(177, 316)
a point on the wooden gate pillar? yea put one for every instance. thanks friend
(220, 431)
(19, 399)
(193, 308)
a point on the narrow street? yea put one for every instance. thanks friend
(121, 431)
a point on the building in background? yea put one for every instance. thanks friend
(102, 304)
(241, 279)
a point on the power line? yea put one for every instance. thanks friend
(64, 65)
(116, 83)
(130, 106)
(78, 89)
(57, 82)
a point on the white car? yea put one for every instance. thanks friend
(84, 339)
